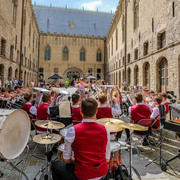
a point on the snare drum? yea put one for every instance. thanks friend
(115, 158)
(14, 133)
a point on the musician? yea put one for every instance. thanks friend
(4, 92)
(76, 109)
(28, 107)
(150, 99)
(164, 97)
(106, 112)
(138, 112)
(91, 145)
(81, 86)
(52, 97)
(155, 112)
(43, 112)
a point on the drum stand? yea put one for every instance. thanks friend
(130, 161)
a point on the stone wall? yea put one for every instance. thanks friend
(154, 17)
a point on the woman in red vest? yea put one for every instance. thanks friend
(91, 145)
(164, 97)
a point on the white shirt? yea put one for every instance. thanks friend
(32, 109)
(69, 139)
(116, 111)
(155, 112)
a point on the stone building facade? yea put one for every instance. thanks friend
(72, 42)
(144, 45)
(10, 41)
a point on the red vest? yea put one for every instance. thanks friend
(90, 150)
(167, 107)
(140, 112)
(104, 112)
(76, 115)
(26, 108)
(42, 115)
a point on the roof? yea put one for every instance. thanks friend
(72, 21)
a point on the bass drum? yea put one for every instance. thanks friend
(14, 133)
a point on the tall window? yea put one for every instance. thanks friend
(98, 73)
(136, 75)
(135, 54)
(129, 76)
(89, 71)
(11, 52)
(65, 54)
(14, 12)
(3, 47)
(82, 55)
(29, 35)
(161, 40)
(47, 53)
(112, 46)
(129, 57)
(146, 46)
(116, 38)
(98, 56)
(163, 71)
(122, 28)
(136, 14)
(147, 75)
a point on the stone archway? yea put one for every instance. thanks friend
(2, 74)
(10, 72)
(146, 75)
(16, 74)
(73, 73)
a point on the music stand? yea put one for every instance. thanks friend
(162, 121)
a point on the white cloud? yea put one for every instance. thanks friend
(92, 5)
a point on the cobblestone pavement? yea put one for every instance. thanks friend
(153, 171)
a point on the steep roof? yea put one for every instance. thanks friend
(72, 21)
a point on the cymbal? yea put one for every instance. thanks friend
(113, 125)
(49, 124)
(135, 127)
(47, 138)
(105, 120)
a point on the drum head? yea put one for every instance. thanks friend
(14, 135)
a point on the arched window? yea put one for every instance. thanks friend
(82, 55)
(65, 54)
(163, 72)
(129, 76)
(47, 53)
(136, 75)
(98, 57)
(147, 75)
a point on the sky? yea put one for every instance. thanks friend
(93, 5)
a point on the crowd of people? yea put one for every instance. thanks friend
(89, 140)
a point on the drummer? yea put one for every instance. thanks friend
(4, 92)
(43, 112)
(91, 145)
(106, 112)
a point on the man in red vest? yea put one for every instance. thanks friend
(28, 107)
(91, 145)
(140, 111)
(43, 112)
(76, 109)
(106, 112)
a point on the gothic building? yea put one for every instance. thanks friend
(72, 42)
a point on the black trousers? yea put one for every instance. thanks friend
(120, 133)
(63, 171)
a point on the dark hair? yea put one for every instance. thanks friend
(164, 95)
(46, 97)
(75, 98)
(16, 87)
(102, 98)
(151, 92)
(89, 107)
(158, 99)
(138, 97)
(146, 90)
(10, 90)
(27, 96)
(3, 90)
